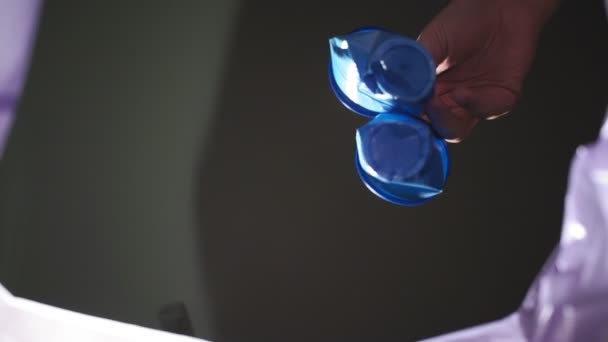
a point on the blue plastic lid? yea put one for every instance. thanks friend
(401, 160)
(383, 75)
(374, 71)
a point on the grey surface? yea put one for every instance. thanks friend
(97, 211)
(117, 202)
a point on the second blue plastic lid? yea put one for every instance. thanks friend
(401, 160)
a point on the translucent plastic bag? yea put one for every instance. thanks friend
(18, 22)
(569, 299)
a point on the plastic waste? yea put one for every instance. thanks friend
(389, 78)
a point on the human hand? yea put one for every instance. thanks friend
(483, 50)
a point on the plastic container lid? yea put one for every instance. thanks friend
(374, 71)
(380, 74)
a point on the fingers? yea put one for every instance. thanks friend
(451, 120)
(486, 102)
(455, 113)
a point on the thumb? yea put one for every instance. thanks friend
(434, 39)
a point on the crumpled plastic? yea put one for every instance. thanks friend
(568, 301)
(18, 23)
